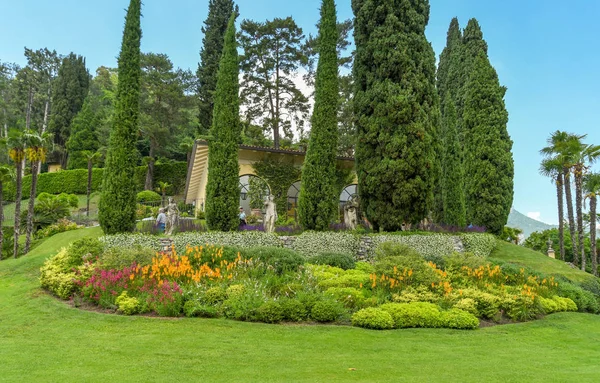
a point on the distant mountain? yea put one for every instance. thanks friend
(528, 225)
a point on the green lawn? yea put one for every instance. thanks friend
(9, 209)
(43, 339)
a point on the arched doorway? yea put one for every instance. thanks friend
(349, 193)
(292, 199)
(253, 192)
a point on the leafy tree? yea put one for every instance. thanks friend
(83, 137)
(215, 25)
(117, 203)
(453, 177)
(553, 167)
(272, 55)
(538, 241)
(592, 190)
(395, 104)
(317, 203)
(6, 175)
(8, 85)
(70, 90)
(489, 161)
(16, 143)
(222, 193)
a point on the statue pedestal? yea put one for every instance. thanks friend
(551, 253)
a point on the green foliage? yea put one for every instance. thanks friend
(311, 243)
(585, 300)
(83, 137)
(417, 314)
(271, 312)
(132, 241)
(56, 275)
(60, 226)
(467, 304)
(453, 174)
(318, 199)
(432, 247)
(117, 204)
(280, 174)
(343, 261)
(120, 257)
(549, 305)
(459, 319)
(487, 304)
(416, 294)
(327, 311)
(480, 245)
(243, 306)
(396, 107)
(352, 298)
(148, 196)
(393, 256)
(373, 318)
(283, 260)
(222, 192)
(293, 310)
(240, 240)
(127, 305)
(214, 295)
(84, 249)
(538, 241)
(196, 309)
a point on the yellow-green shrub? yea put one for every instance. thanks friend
(459, 319)
(373, 318)
(467, 304)
(349, 296)
(564, 304)
(126, 304)
(56, 276)
(418, 294)
(416, 314)
(548, 305)
(487, 304)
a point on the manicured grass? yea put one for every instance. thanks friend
(537, 261)
(9, 209)
(43, 339)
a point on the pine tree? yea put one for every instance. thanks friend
(453, 186)
(317, 203)
(395, 105)
(117, 204)
(70, 90)
(83, 136)
(222, 193)
(215, 25)
(489, 162)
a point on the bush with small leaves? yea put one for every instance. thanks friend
(373, 318)
(467, 304)
(235, 291)
(197, 309)
(120, 257)
(214, 295)
(127, 305)
(488, 304)
(343, 261)
(350, 297)
(311, 243)
(416, 294)
(548, 305)
(479, 244)
(584, 300)
(283, 260)
(83, 249)
(271, 312)
(327, 311)
(293, 310)
(148, 196)
(416, 314)
(459, 319)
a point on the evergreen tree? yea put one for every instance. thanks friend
(453, 185)
(317, 202)
(215, 25)
(489, 162)
(117, 204)
(395, 109)
(83, 136)
(70, 90)
(222, 192)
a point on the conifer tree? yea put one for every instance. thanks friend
(489, 162)
(395, 105)
(215, 25)
(222, 192)
(117, 204)
(317, 203)
(453, 186)
(83, 136)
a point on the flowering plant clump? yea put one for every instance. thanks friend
(131, 240)
(430, 246)
(479, 244)
(311, 243)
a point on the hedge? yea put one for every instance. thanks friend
(75, 181)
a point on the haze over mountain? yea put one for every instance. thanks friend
(527, 224)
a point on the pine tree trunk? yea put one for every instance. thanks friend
(571, 216)
(46, 112)
(594, 255)
(579, 211)
(1, 219)
(150, 171)
(89, 188)
(29, 106)
(18, 196)
(561, 215)
(34, 177)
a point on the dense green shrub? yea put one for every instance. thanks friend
(311, 243)
(459, 319)
(84, 248)
(242, 304)
(58, 273)
(467, 304)
(416, 314)
(283, 260)
(327, 311)
(585, 300)
(60, 226)
(548, 305)
(240, 240)
(343, 261)
(271, 312)
(395, 256)
(350, 297)
(120, 257)
(148, 196)
(415, 294)
(131, 241)
(214, 295)
(373, 318)
(293, 310)
(328, 276)
(481, 245)
(487, 304)
(365, 267)
(431, 247)
(127, 305)
(196, 309)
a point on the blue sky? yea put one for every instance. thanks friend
(545, 51)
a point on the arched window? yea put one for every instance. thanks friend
(253, 191)
(349, 192)
(292, 198)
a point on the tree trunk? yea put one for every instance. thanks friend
(579, 211)
(18, 195)
(29, 106)
(1, 220)
(561, 215)
(34, 177)
(46, 112)
(594, 255)
(150, 172)
(89, 188)
(571, 216)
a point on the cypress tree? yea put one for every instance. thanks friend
(118, 204)
(215, 25)
(222, 192)
(453, 186)
(489, 162)
(83, 136)
(317, 203)
(395, 108)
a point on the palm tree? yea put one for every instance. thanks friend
(6, 175)
(16, 144)
(553, 168)
(91, 158)
(584, 157)
(592, 190)
(162, 188)
(563, 145)
(38, 145)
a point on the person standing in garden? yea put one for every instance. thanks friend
(242, 217)
(161, 220)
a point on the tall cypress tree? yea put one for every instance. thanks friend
(222, 192)
(215, 25)
(395, 105)
(453, 185)
(317, 203)
(83, 136)
(489, 162)
(117, 204)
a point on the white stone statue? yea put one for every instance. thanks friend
(270, 215)
(350, 214)
(172, 216)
